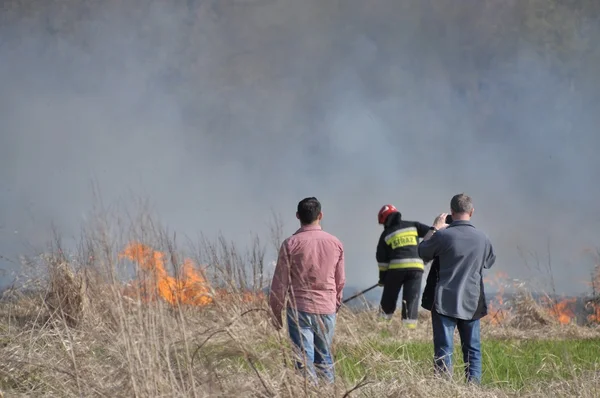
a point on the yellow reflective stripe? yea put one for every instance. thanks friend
(407, 265)
(407, 260)
(402, 237)
(383, 266)
(410, 231)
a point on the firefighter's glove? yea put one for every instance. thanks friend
(382, 278)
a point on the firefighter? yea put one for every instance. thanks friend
(400, 267)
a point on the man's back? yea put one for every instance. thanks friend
(463, 253)
(310, 269)
(315, 260)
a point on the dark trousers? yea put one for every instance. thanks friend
(410, 283)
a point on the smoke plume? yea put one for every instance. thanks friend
(221, 111)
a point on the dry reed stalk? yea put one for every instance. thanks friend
(85, 338)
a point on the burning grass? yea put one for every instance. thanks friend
(173, 330)
(526, 312)
(189, 287)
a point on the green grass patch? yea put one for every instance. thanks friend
(511, 364)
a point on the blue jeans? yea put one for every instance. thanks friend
(312, 336)
(443, 345)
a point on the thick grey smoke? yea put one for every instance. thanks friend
(220, 111)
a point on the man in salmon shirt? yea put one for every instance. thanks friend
(310, 274)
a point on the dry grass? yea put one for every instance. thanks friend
(74, 333)
(155, 350)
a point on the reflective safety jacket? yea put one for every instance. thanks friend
(397, 247)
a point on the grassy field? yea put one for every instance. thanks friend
(154, 350)
(513, 365)
(77, 330)
(509, 364)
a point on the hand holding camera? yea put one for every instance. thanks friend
(440, 221)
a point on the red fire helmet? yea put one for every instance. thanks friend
(385, 211)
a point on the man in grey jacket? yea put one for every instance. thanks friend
(459, 300)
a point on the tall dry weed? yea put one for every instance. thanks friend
(75, 333)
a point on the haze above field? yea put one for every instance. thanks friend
(220, 111)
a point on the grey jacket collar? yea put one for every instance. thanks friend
(461, 222)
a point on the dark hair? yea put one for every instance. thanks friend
(308, 210)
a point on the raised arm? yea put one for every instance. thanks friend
(431, 245)
(422, 229)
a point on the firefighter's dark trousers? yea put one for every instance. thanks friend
(410, 283)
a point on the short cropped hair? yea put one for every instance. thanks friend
(308, 210)
(461, 203)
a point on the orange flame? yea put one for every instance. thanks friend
(498, 314)
(561, 311)
(188, 288)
